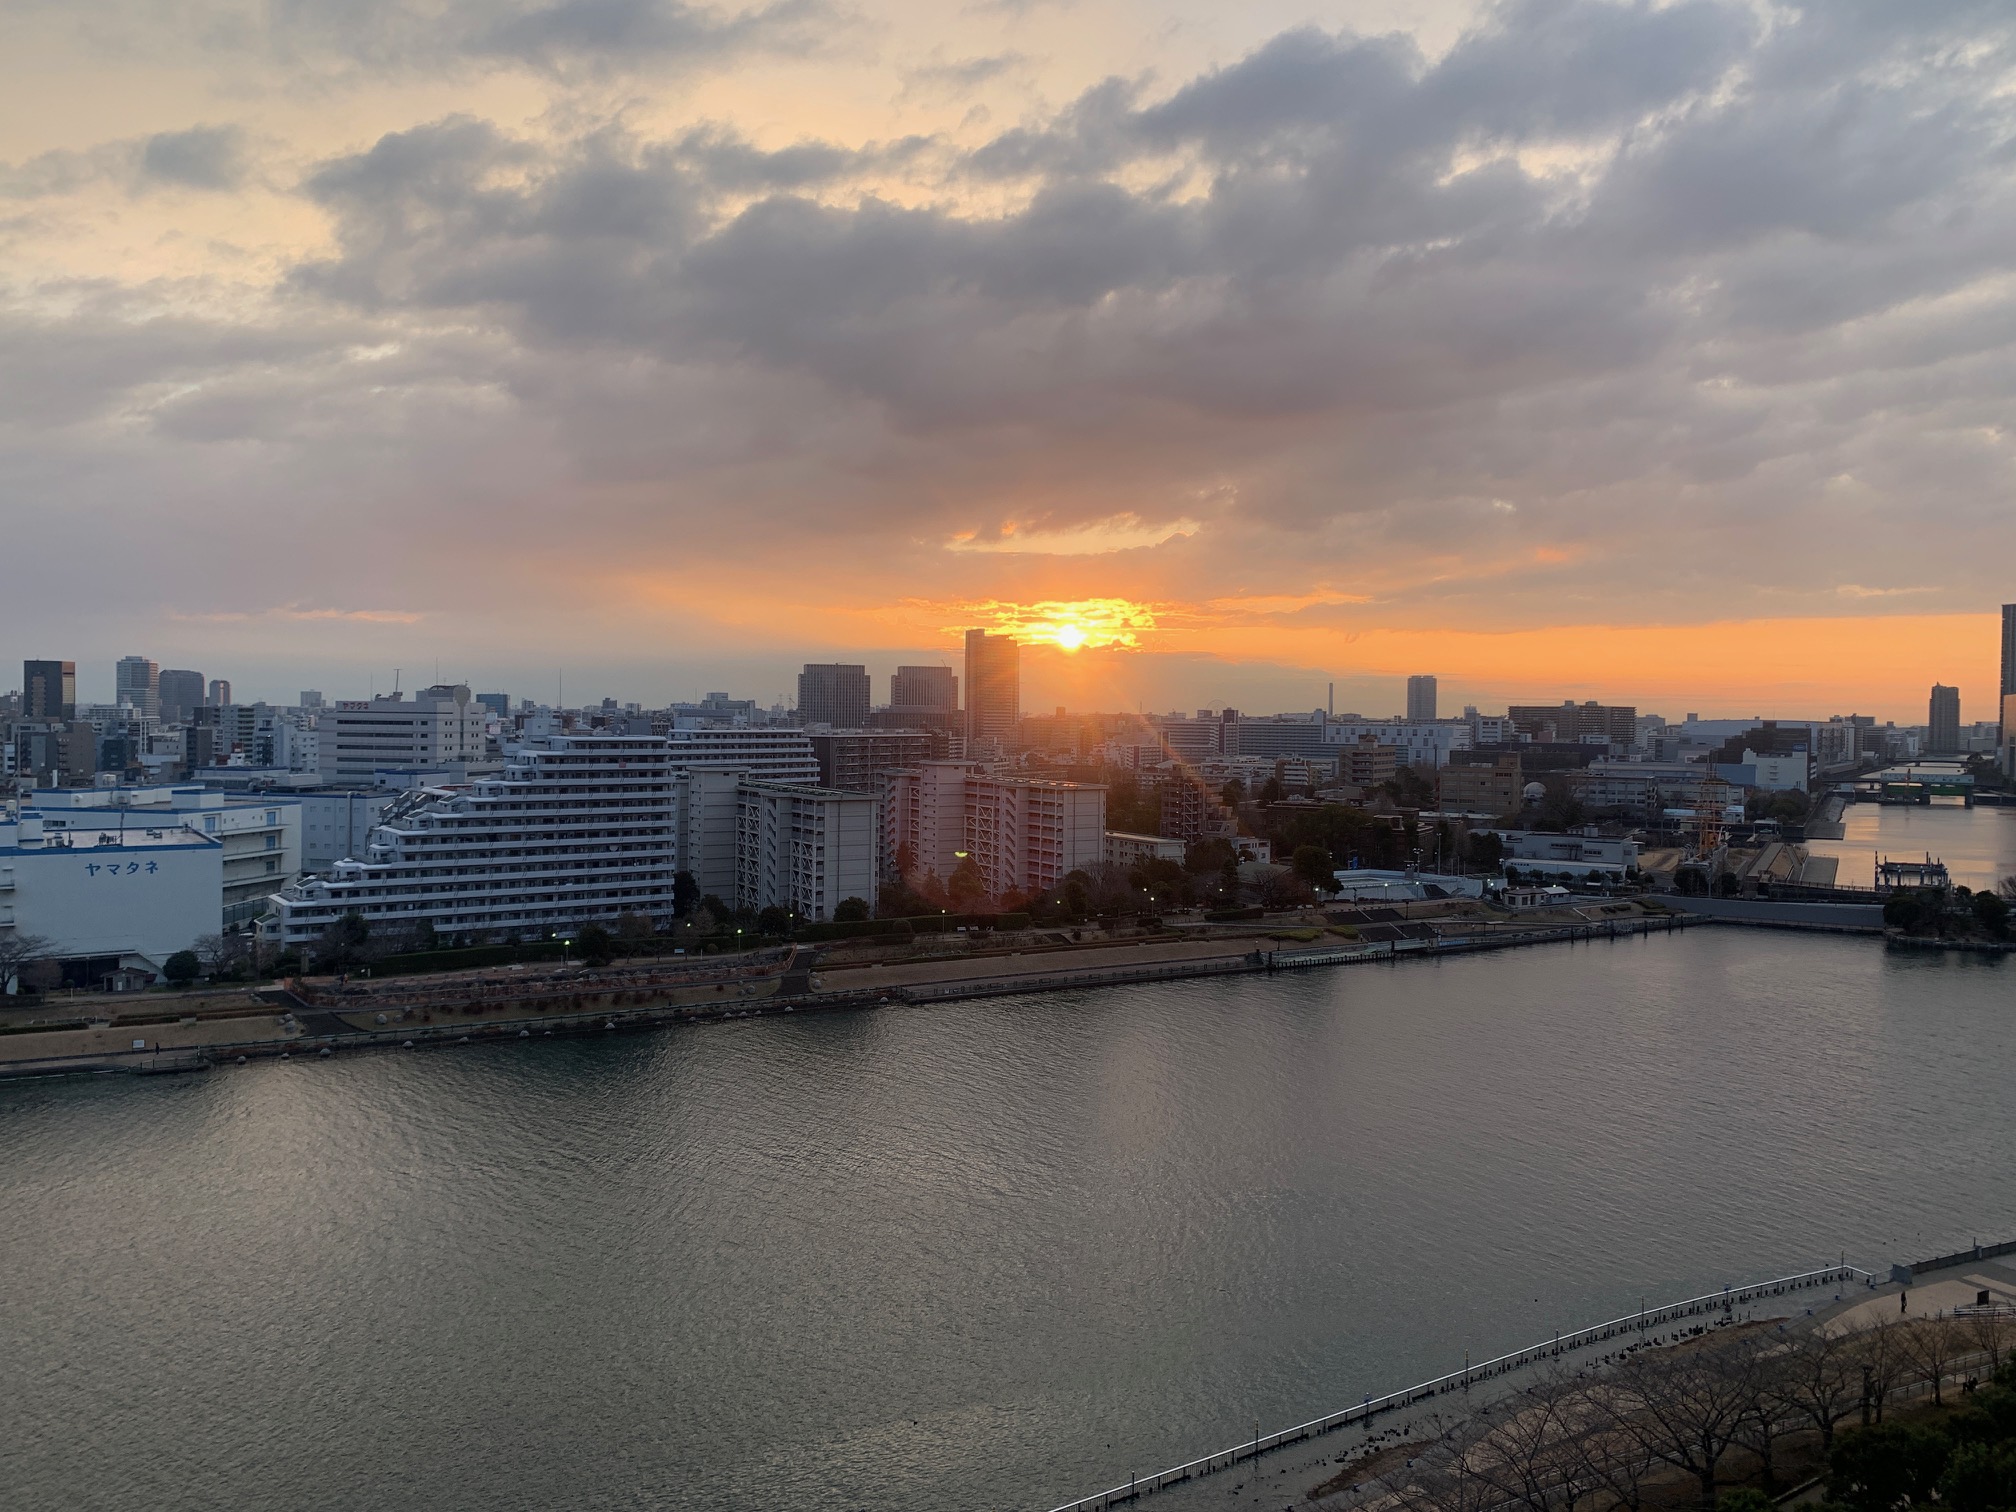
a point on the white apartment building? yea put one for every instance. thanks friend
(259, 838)
(1124, 849)
(767, 755)
(437, 727)
(336, 824)
(805, 849)
(109, 898)
(1023, 833)
(1419, 743)
(578, 828)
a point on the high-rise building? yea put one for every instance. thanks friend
(1420, 699)
(1571, 723)
(1023, 834)
(220, 691)
(804, 849)
(2008, 671)
(138, 682)
(311, 698)
(438, 727)
(993, 686)
(49, 690)
(833, 693)
(1943, 736)
(181, 695)
(925, 688)
(578, 828)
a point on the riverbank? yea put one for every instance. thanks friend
(323, 1017)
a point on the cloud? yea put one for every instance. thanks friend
(296, 614)
(1612, 310)
(214, 158)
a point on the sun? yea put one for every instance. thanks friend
(1068, 624)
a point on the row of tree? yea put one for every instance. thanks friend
(1605, 1437)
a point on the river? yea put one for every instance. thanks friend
(1978, 845)
(986, 1255)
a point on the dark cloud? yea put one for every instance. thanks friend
(203, 157)
(1640, 284)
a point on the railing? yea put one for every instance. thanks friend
(1635, 1326)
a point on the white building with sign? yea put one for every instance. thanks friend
(108, 897)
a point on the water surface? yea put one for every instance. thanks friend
(982, 1255)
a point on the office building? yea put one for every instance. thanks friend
(311, 701)
(1420, 700)
(1367, 762)
(138, 684)
(49, 690)
(577, 829)
(850, 761)
(438, 727)
(1943, 724)
(834, 694)
(1495, 789)
(115, 898)
(1025, 835)
(1425, 745)
(1570, 723)
(930, 691)
(181, 695)
(499, 704)
(220, 690)
(2008, 649)
(1276, 736)
(803, 849)
(993, 687)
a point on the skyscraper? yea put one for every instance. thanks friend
(181, 695)
(933, 688)
(49, 690)
(993, 686)
(138, 683)
(833, 693)
(220, 692)
(1420, 699)
(1945, 721)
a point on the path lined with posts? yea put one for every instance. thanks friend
(1638, 1327)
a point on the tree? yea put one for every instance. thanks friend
(43, 974)
(1903, 910)
(774, 921)
(1991, 913)
(1885, 1467)
(718, 913)
(1486, 849)
(223, 956)
(1979, 1477)
(1930, 1347)
(1233, 793)
(596, 945)
(17, 950)
(1819, 1378)
(1687, 1405)
(181, 968)
(966, 886)
(851, 911)
(632, 928)
(1313, 865)
(685, 894)
(342, 943)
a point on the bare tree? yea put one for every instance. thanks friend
(1990, 1329)
(1879, 1354)
(1687, 1405)
(1446, 1476)
(1534, 1454)
(1819, 1377)
(223, 954)
(1765, 1419)
(1613, 1455)
(17, 950)
(1931, 1345)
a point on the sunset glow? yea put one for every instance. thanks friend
(1070, 625)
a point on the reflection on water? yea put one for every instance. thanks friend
(984, 1255)
(1978, 845)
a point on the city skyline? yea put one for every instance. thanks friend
(1544, 345)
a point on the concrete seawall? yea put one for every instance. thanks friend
(1773, 913)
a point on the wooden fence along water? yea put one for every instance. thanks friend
(1639, 1326)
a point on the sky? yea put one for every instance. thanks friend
(1659, 353)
